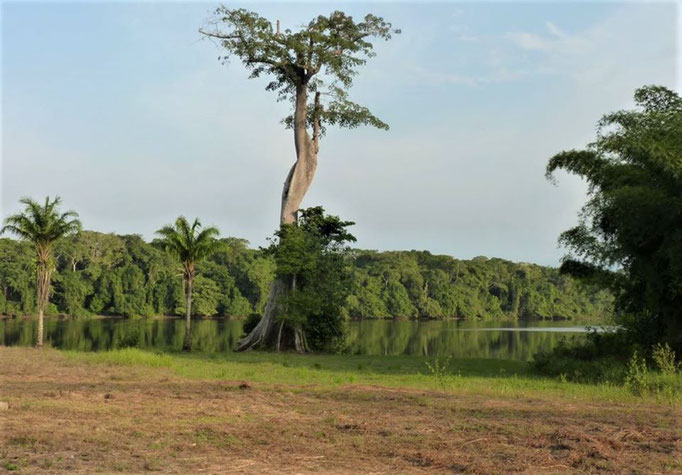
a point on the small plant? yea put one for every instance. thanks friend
(637, 375)
(439, 369)
(664, 357)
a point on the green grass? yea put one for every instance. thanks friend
(502, 378)
(125, 357)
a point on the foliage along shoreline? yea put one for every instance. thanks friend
(63, 316)
(111, 275)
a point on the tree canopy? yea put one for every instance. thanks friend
(629, 237)
(323, 55)
(189, 244)
(42, 225)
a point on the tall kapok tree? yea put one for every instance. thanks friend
(313, 68)
(189, 244)
(42, 225)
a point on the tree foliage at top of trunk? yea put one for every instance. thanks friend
(187, 243)
(629, 237)
(323, 56)
(42, 225)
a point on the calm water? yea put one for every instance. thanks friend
(508, 340)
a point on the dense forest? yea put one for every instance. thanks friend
(108, 274)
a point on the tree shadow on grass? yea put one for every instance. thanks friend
(365, 364)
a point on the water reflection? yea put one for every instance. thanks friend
(462, 339)
(370, 337)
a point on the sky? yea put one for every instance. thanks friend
(124, 111)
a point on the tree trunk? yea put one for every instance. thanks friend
(43, 294)
(187, 345)
(295, 187)
(260, 335)
(302, 172)
(39, 343)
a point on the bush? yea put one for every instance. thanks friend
(664, 357)
(601, 357)
(636, 379)
(612, 358)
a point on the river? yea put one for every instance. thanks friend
(461, 339)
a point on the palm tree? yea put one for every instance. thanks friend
(42, 225)
(188, 244)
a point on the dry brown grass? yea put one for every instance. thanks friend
(66, 415)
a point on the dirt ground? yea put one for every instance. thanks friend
(65, 415)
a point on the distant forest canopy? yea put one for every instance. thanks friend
(108, 274)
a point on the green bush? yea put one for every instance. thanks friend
(664, 357)
(637, 377)
(440, 370)
(612, 358)
(601, 357)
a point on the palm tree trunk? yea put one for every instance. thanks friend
(39, 343)
(43, 290)
(187, 346)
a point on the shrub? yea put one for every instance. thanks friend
(636, 379)
(601, 357)
(664, 357)
(439, 369)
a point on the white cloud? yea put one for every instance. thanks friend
(603, 54)
(553, 29)
(529, 41)
(555, 42)
(463, 33)
(434, 77)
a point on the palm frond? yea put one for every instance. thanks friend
(17, 231)
(187, 243)
(42, 224)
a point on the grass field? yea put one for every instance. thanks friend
(133, 411)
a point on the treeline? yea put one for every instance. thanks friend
(418, 284)
(108, 274)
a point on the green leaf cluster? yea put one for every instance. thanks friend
(313, 258)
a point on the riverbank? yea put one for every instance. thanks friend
(588, 319)
(131, 410)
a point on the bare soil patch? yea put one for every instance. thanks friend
(65, 415)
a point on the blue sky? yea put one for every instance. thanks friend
(127, 114)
